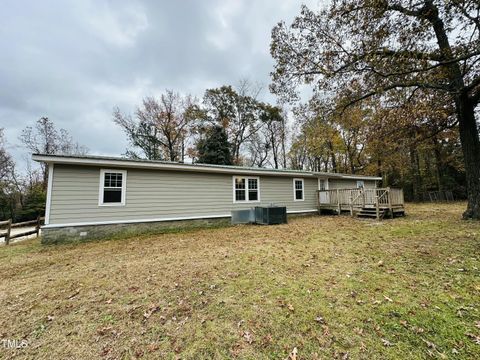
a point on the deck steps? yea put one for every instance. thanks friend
(371, 213)
(368, 212)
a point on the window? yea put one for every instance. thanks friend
(246, 189)
(252, 189)
(360, 184)
(298, 189)
(112, 187)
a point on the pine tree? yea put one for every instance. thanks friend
(215, 148)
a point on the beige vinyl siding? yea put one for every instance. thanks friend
(160, 194)
(348, 183)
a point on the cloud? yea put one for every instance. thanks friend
(75, 61)
(113, 22)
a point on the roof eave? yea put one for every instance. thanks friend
(139, 164)
(159, 166)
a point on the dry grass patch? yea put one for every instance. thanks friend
(327, 286)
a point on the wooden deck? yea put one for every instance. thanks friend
(377, 202)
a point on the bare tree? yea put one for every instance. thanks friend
(160, 128)
(44, 138)
(6, 161)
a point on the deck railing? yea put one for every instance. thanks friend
(348, 199)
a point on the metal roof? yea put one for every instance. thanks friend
(171, 165)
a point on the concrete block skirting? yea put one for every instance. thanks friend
(72, 234)
(81, 233)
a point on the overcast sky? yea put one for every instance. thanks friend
(74, 61)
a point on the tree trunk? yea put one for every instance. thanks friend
(438, 163)
(465, 109)
(352, 164)
(183, 150)
(274, 150)
(471, 153)
(416, 176)
(379, 170)
(332, 155)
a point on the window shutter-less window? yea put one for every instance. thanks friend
(112, 187)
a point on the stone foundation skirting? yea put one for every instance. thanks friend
(72, 234)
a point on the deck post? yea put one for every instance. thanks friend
(390, 207)
(351, 203)
(363, 197)
(377, 207)
(338, 202)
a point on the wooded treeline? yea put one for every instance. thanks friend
(410, 143)
(413, 144)
(23, 193)
(394, 55)
(229, 123)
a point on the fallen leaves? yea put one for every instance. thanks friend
(385, 342)
(75, 293)
(358, 331)
(430, 344)
(387, 298)
(293, 354)
(153, 347)
(108, 330)
(283, 303)
(267, 340)
(248, 337)
(475, 338)
(151, 310)
(326, 330)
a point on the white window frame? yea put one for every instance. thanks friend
(326, 183)
(295, 192)
(361, 183)
(102, 183)
(247, 200)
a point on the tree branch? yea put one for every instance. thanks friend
(391, 87)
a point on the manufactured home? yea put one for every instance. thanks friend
(92, 196)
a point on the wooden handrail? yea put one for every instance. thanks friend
(378, 200)
(349, 198)
(352, 201)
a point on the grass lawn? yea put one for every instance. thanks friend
(329, 287)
